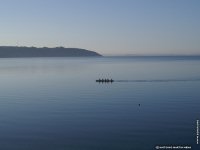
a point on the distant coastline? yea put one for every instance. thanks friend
(15, 52)
(161, 57)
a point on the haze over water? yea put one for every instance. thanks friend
(55, 103)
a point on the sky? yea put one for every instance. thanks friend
(109, 27)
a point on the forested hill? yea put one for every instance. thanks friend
(12, 51)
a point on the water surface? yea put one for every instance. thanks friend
(55, 103)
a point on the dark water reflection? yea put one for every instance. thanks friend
(55, 103)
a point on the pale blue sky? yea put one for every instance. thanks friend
(106, 26)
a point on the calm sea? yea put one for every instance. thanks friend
(55, 103)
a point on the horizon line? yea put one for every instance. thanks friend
(114, 55)
(148, 55)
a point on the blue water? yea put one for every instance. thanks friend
(55, 103)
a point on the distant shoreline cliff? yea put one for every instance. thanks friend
(14, 52)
